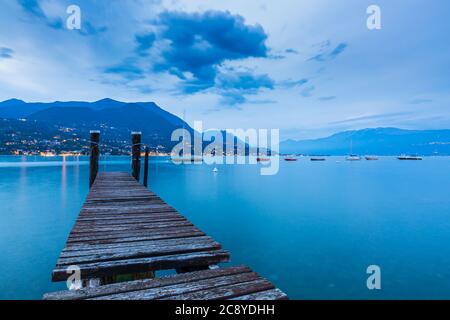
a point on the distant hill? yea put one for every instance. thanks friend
(377, 141)
(15, 108)
(114, 119)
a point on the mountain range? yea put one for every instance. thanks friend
(116, 120)
(63, 126)
(374, 141)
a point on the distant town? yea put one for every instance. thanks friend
(24, 137)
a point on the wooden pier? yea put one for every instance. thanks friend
(125, 232)
(124, 228)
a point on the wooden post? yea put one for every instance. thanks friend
(94, 154)
(146, 168)
(136, 155)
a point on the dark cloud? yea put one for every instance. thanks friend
(198, 43)
(33, 7)
(128, 69)
(290, 50)
(144, 43)
(6, 53)
(194, 48)
(244, 81)
(232, 98)
(88, 29)
(338, 50)
(234, 86)
(325, 54)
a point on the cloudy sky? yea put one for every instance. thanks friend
(310, 68)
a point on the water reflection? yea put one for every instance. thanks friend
(64, 181)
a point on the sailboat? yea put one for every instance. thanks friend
(352, 157)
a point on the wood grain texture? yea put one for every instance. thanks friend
(125, 228)
(235, 283)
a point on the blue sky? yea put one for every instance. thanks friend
(309, 68)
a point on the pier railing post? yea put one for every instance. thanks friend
(146, 167)
(94, 154)
(136, 155)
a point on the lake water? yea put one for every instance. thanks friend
(312, 229)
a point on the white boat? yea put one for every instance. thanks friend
(405, 157)
(215, 170)
(353, 157)
(187, 159)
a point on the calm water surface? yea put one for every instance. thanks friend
(312, 229)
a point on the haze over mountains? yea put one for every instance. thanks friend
(377, 141)
(117, 119)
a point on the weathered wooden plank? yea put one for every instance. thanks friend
(125, 228)
(130, 205)
(126, 221)
(160, 243)
(124, 287)
(126, 217)
(149, 246)
(225, 291)
(122, 193)
(135, 253)
(107, 268)
(120, 198)
(107, 211)
(127, 209)
(274, 294)
(146, 226)
(178, 232)
(160, 236)
(126, 233)
(130, 202)
(172, 292)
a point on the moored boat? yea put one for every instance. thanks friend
(290, 159)
(353, 157)
(405, 157)
(371, 158)
(260, 159)
(187, 159)
(317, 159)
